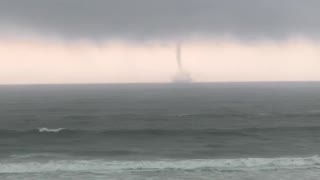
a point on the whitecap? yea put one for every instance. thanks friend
(50, 130)
(36, 155)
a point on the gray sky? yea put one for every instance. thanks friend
(98, 41)
(155, 19)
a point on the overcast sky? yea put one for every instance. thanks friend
(163, 18)
(105, 29)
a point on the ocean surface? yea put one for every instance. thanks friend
(218, 131)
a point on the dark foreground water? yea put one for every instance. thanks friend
(235, 131)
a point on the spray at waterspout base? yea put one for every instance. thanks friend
(182, 77)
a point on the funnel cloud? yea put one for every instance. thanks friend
(183, 76)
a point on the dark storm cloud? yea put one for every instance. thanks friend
(143, 19)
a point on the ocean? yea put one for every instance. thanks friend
(201, 131)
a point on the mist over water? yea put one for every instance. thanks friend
(160, 131)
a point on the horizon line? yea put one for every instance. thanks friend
(164, 83)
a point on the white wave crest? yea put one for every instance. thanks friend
(36, 155)
(116, 166)
(50, 130)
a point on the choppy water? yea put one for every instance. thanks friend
(160, 131)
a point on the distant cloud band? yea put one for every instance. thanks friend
(154, 19)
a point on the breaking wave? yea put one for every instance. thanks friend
(157, 132)
(247, 164)
(50, 130)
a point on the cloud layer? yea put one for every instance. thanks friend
(154, 19)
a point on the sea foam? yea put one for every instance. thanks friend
(245, 164)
